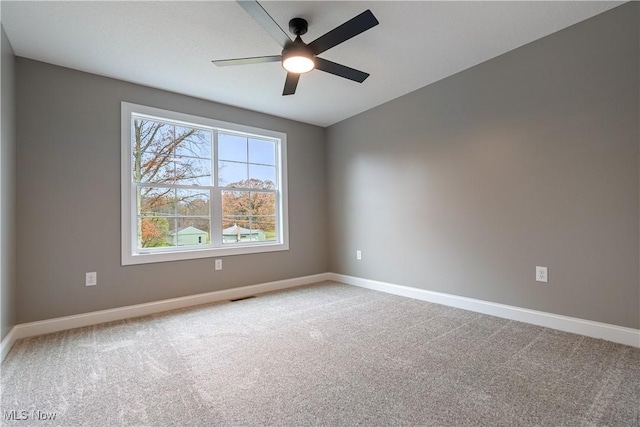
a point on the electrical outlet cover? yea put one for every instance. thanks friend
(91, 279)
(542, 274)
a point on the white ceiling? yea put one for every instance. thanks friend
(170, 45)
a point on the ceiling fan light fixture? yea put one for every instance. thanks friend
(298, 64)
(297, 57)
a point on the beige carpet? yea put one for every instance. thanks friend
(326, 354)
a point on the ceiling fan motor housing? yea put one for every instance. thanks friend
(297, 48)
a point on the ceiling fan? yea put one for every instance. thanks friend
(299, 57)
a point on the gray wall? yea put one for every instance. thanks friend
(7, 189)
(529, 159)
(68, 163)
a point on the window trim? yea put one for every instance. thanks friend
(129, 251)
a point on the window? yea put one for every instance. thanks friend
(194, 187)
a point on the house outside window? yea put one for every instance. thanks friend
(193, 187)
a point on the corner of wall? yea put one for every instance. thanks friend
(7, 188)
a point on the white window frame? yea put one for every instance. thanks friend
(131, 255)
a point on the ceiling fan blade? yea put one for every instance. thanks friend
(265, 20)
(290, 84)
(341, 70)
(244, 61)
(344, 32)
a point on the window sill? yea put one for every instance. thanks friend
(154, 257)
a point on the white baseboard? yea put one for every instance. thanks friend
(25, 330)
(605, 331)
(7, 343)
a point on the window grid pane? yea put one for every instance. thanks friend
(163, 213)
(248, 216)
